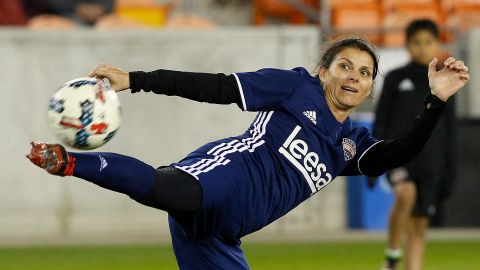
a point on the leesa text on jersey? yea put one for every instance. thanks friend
(308, 163)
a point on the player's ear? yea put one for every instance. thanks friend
(322, 74)
(370, 91)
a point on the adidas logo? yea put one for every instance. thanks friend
(312, 115)
(103, 163)
(406, 85)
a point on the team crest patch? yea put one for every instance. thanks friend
(349, 149)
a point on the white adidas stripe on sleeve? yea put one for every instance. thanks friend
(240, 89)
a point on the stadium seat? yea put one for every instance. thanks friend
(148, 12)
(360, 19)
(12, 13)
(400, 16)
(449, 5)
(391, 4)
(462, 18)
(190, 21)
(461, 15)
(114, 21)
(343, 3)
(262, 9)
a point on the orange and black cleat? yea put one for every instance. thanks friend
(52, 157)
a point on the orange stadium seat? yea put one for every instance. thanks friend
(398, 18)
(113, 21)
(390, 4)
(147, 12)
(336, 3)
(450, 5)
(262, 9)
(12, 13)
(358, 19)
(462, 18)
(190, 21)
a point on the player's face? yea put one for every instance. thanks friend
(423, 46)
(348, 80)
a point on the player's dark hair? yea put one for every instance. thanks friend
(331, 49)
(422, 25)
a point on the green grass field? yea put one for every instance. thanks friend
(338, 256)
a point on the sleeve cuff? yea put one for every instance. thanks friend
(136, 78)
(432, 102)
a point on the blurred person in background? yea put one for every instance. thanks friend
(19, 12)
(71, 13)
(300, 140)
(12, 13)
(423, 184)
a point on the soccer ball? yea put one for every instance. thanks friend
(84, 113)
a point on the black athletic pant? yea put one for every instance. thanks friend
(176, 192)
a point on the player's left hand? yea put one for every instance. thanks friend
(446, 82)
(119, 79)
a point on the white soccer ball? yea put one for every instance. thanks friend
(84, 113)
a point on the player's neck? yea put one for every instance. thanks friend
(340, 114)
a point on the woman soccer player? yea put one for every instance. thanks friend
(299, 142)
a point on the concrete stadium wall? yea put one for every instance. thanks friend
(471, 97)
(39, 208)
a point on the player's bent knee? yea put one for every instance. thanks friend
(406, 192)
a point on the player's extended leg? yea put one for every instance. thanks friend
(415, 246)
(405, 194)
(166, 189)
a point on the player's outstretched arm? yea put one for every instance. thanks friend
(119, 79)
(395, 153)
(204, 87)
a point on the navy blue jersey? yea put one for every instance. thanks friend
(293, 148)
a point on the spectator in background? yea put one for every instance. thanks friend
(34, 7)
(19, 12)
(66, 14)
(85, 12)
(12, 13)
(421, 185)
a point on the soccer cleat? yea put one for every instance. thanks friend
(52, 157)
(390, 265)
(392, 258)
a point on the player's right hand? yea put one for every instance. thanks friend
(119, 79)
(446, 82)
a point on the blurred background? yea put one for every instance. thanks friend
(58, 223)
